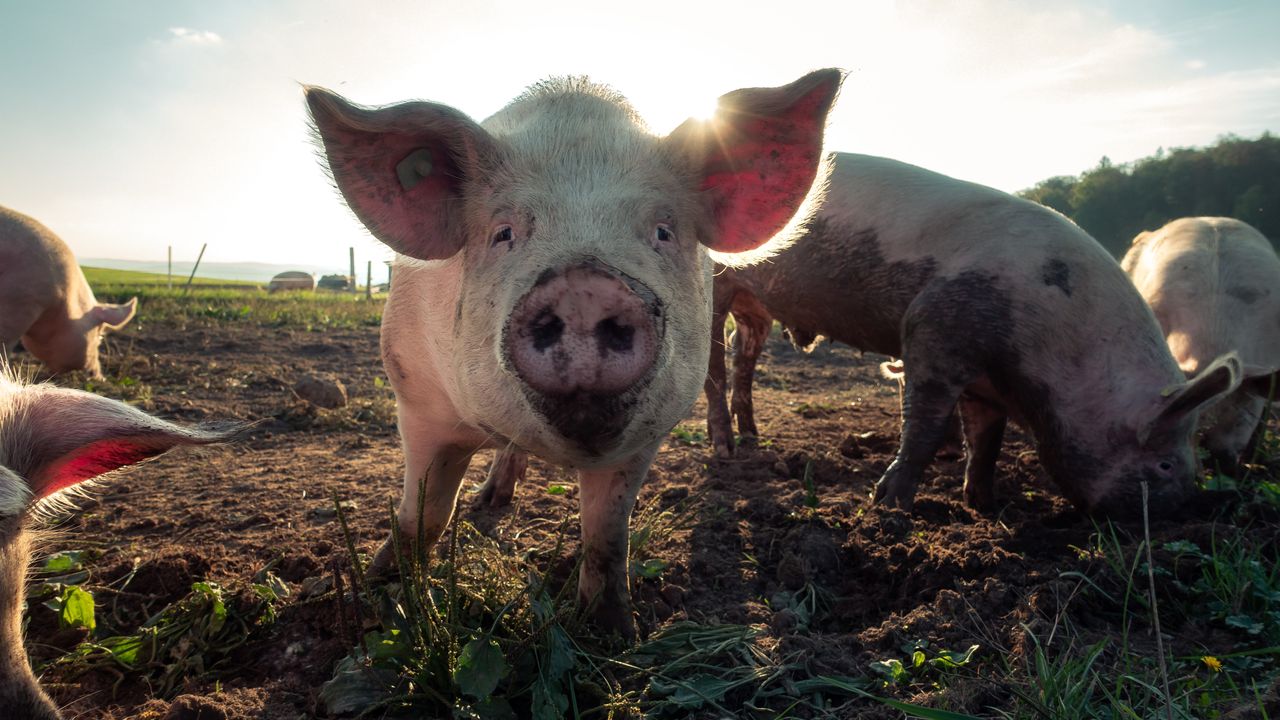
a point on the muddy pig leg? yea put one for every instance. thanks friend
(508, 468)
(604, 582)
(719, 423)
(983, 433)
(942, 353)
(754, 324)
(432, 476)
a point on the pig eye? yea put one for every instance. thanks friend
(1165, 466)
(663, 233)
(504, 234)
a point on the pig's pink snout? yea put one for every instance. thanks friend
(585, 330)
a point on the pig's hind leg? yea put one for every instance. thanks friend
(947, 337)
(510, 465)
(984, 426)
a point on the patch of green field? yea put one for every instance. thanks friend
(107, 276)
(209, 302)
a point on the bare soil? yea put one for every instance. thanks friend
(942, 573)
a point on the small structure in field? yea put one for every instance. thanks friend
(335, 282)
(292, 280)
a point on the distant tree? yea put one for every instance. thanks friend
(1236, 177)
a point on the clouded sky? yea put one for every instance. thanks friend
(130, 126)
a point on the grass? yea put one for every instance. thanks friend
(487, 634)
(190, 640)
(211, 302)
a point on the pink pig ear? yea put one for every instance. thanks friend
(115, 316)
(760, 157)
(57, 438)
(401, 168)
(1210, 385)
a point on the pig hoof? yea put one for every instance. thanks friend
(492, 496)
(384, 564)
(614, 620)
(891, 497)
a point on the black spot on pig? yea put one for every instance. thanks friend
(1247, 295)
(1056, 273)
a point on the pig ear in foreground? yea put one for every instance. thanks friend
(1177, 402)
(115, 316)
(401, 168)
(759, 157)
(68, 437)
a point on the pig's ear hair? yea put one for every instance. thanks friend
(115, 316)
(760, 160)
(401, 168)
(57, 438)
(1178, 401)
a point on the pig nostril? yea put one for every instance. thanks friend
(614, 337)
(546, 330)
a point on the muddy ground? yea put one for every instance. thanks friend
(943, 573)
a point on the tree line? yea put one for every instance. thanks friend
(1234, 177)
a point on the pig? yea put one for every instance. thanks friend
(553, 278)
(52, 439)
(1214, 285)
(998, 307)
(45, 301)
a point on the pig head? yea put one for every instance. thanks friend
(554, 286)
(52, 439)
(46, 302)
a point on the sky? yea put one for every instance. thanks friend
(128, 127)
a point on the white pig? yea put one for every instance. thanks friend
(1214, 284)
(553, 288)
(52, 439)
(45, 300)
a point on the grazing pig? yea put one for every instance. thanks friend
(45, 300)
(1214, 284)
(52, 439)
(997, 306)
(553, 286)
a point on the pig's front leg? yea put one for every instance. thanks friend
(753, 323)
(608, 496)
(509, 467)
(432, 476)
(719, 422)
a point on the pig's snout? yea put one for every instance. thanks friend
(584, 330)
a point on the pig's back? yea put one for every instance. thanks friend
(35, 265)
(1213, 284)
(886, 230)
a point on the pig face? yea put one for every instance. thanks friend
(581, 317)
(1160, 452)
(72, 344)
(52, 439)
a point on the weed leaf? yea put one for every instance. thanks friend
(481, 666)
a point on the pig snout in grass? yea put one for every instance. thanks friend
(1214, 286)
(1000, 309)
(46, 302)
(553, 280)
(52, 439)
